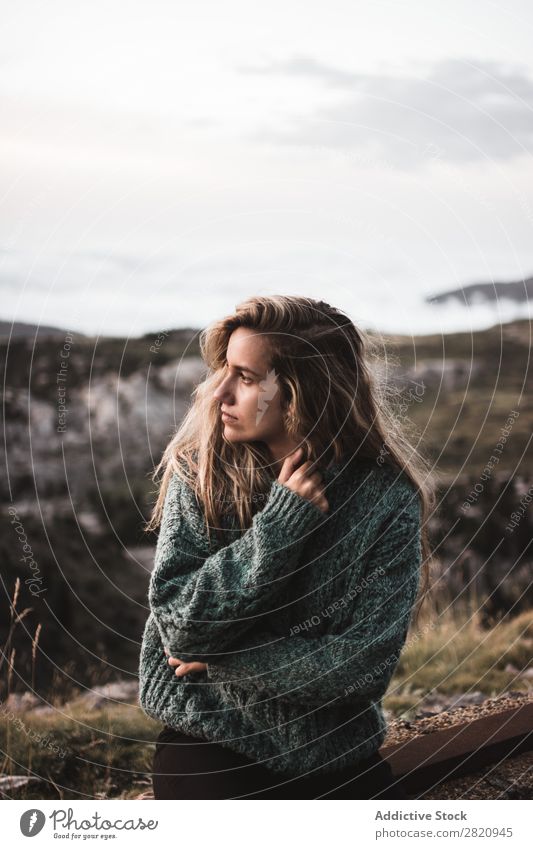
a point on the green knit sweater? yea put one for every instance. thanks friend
(301, 619)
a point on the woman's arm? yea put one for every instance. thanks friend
(357, 664)
(202, 603)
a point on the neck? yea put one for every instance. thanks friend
(280, 450)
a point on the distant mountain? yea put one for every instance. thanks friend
(22, 330)
(475, 293)
(182, 337)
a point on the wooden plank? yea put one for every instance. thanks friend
(460, 750)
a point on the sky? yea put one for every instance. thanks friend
(162, 161)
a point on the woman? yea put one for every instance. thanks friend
(271, 641)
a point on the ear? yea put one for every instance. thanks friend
(289, 418)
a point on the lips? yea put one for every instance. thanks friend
(226, 417)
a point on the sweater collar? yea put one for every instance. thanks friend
(335, 469)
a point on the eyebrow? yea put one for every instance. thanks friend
(244, 368)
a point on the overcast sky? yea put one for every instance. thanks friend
(161, 161)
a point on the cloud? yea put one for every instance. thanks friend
(67, 272)
(302, 65)
(460, 111)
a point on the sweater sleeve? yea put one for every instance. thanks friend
(203, 604)
(357, 664)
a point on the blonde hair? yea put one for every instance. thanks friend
(350, 411)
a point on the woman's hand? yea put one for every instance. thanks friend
(307, 483)
(184, 668)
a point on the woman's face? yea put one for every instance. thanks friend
(249, 390)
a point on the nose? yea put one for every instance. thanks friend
(223, 390)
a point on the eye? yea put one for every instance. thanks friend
(246, 380)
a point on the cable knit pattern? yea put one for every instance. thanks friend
(301, 619)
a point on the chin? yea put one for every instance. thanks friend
(229, 437)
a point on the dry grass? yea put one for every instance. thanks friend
(452, 653)
(76, 752)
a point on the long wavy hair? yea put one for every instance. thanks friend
(336, 402)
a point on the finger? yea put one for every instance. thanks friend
(195, 666)
(185, 668)
(289, 465)
(311, 490)
(304, 471)
(317, 496)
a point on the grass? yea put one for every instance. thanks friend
(77, 752)
(107, 753)
(103, 754)
(459, 656)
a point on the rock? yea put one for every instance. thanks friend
(126, 690)
(22, 701)
(44, 710)
(438, 702)
(13, 782)
(474, 698)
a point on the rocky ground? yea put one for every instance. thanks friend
(508, 779)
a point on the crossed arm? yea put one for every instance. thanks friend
(204, 604)
(357, 664)
(231, 590)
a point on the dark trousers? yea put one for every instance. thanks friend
(187, 767)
